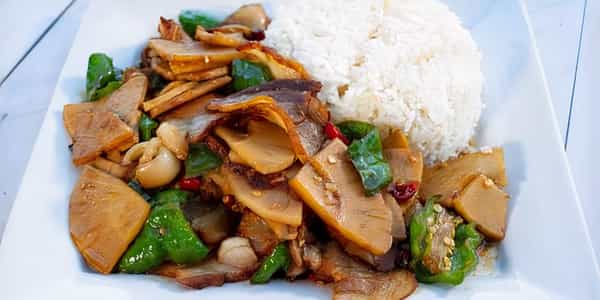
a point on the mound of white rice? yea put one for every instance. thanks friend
(401, 63)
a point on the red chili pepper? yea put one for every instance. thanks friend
(333, 132)
(190, 184)
(405, 191)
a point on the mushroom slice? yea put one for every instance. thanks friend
(99, 235)
(266, 147)
(220, 39)
(449, 178)
(173, 139)
(193, 118)
(192, 52)
(249, 15)
(162, 103)
(278, 204)
(279, 66)
(484, 204)
(334, 192)
(96, 132)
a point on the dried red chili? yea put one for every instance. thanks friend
(190, 184)
(403, 192)
(333, 132)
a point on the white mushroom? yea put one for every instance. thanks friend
(159, 171)
(237, 252)
(172, 138)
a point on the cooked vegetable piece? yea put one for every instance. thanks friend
(147, 127)
(266, 147)
(330, 186)
(236, 251)
(200, 160)
(190, 19)
(102, 77)
(441, 250)
(220, 39)
(250, 15)
(407, 170)
(279, 67)
(484, 204)
(367, 158)
(278, 204)
(279, 259)
(396, 140)
(247, 74)
(111, 167)
(124, 102)
(96, 132)
(105, 91)
(398, 221)
(193, 119)
(333, 132)
(192, 52)
(176, 196)
(283, 231)
(135, 185)
(95, 201)
(171, 30)
(166, 235)
(449, 178)
(354, 130)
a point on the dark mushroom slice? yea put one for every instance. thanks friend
(252, 16)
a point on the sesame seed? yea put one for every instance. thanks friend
(331, 159)
(330, 187)
(256, 193)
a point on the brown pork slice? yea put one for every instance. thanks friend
(354, 280)
(262, 238)
(207, 273)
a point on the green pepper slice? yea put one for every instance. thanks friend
(102, 78)
(147, 127)
(464, 256)
(248, 74)
(278, 259)
(189, 19)
(200, 160)
(367, 157)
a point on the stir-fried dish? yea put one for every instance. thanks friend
(215, 161)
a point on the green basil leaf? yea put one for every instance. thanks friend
(248, 74)
(189, 19)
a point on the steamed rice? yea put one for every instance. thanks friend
(401, 63)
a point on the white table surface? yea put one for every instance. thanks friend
(566, 32)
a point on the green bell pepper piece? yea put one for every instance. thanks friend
(166, 236)
(464, 258)
(354, 129)
(176, 196)
(102, 78)
(201, 160)
(367, 157)
(189, 19)
(248, 74)
(147, 127)
(278, 259)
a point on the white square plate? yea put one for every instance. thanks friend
(546, 254)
